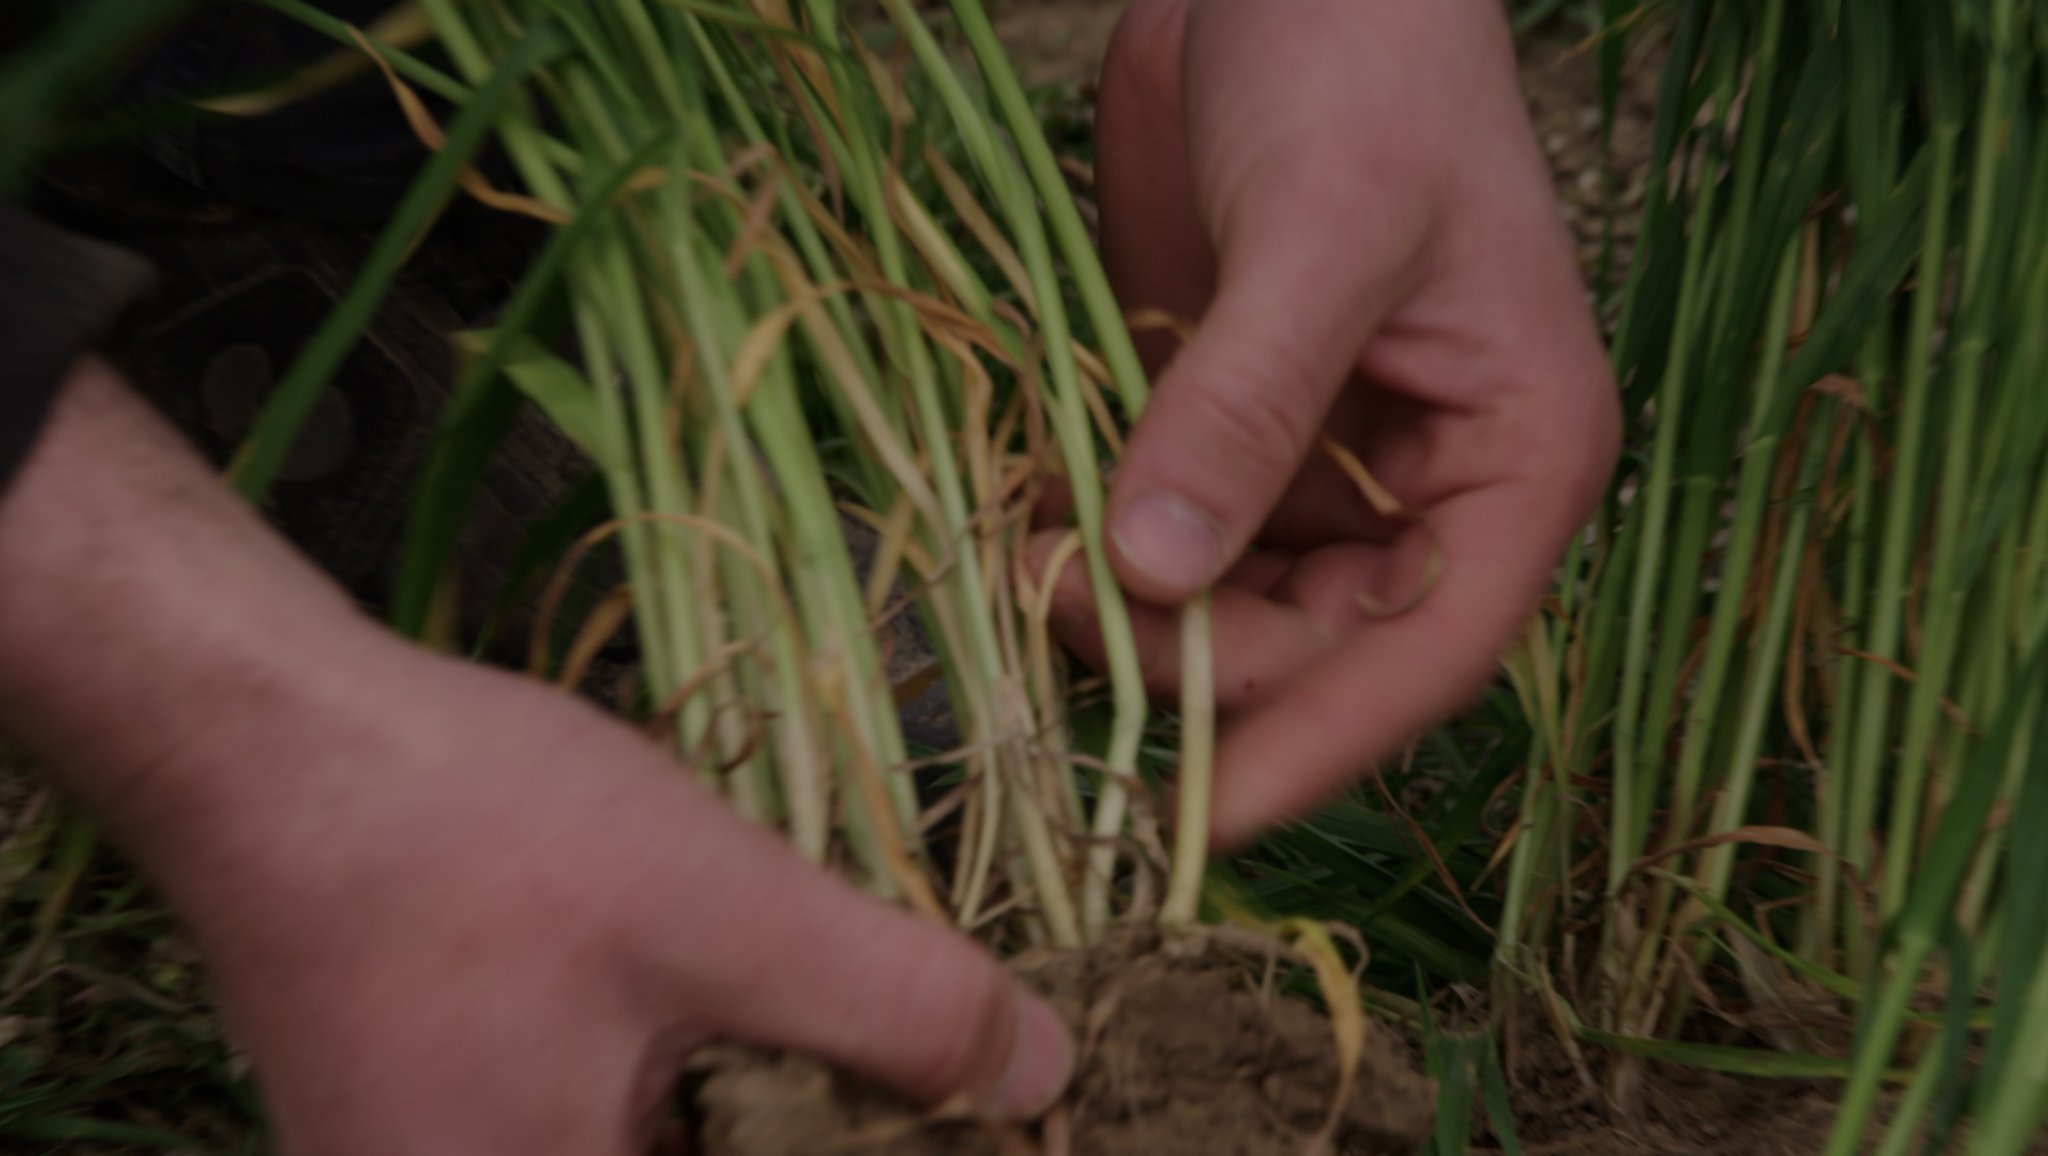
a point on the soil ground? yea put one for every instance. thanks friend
(1181, 1056)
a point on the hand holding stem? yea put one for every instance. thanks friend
(449, 910)
(1350, 200)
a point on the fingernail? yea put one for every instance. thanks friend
(1171, 541)
(1041, 1063)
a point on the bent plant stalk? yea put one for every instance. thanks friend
(774, 337)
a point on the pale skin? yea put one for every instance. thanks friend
(453, 911)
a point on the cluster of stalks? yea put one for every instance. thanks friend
(810, 283)
(1818, 775)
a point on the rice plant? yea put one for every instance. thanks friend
(1776, 732)
(1791, 679)
(773, 335)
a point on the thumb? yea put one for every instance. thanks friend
(1300, 294)
(828, 971)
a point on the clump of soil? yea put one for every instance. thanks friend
(1181, 1055)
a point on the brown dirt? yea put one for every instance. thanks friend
(1678, 1112)
(1180, 1057)
(1561, 81)
(1057, 41)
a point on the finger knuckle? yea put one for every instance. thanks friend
(1261, 403)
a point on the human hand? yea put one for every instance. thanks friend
(448, 910)
(500, 923)
(1349, 198)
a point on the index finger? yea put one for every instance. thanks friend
(1390, 683)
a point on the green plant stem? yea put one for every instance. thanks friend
(454, 472)
(1752, 498)
(285, 414)
(1182, 907)
(1931, 901)
(1077, 247)
(1076, 442)
(1821, 921)
(1761, 680)
(1889, 607)
(1944, 598)
(1633, 798)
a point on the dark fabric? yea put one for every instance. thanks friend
(59, 295)
(21, 21)
(343, 156)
